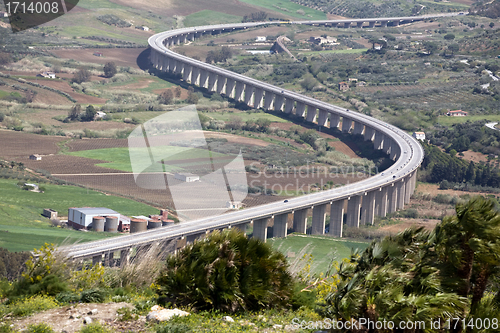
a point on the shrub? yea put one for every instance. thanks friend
(27, 306)
(67, 297)
(40, 328)
(94, 328)
(173, 327)
(93, 296)
(226, 271)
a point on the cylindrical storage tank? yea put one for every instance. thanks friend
(153, 224)
(98, 223)
(138, 225)
(164, 214)
(167, 223)
(111, 224)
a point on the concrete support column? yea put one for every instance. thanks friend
(165, 64)
(109, 259)
(195, 76)
(278, 102)
(192, 238)
(347, 24)
(371, 24)
(337, 218)
(124, 257)
(172, 65)
(300, 221)
(383, 24)
(258, 94)
(334, 120)
(322, 117)
(248, 95)
(203, 78)
(212, 80)
(353, 207)
(407, 189)
(238, 91)
(392, 198)
(186, 76)
(395, 150)
(381, 202)
(230, 83)
(311, 114)
(358, 128)
(413, 181)
(400, 186)
(368, 208)
(268, 100)
(280, 225)
(300, 109)
(179, 67)
(97, 259)
(346, 124)
(154, 56)
(369, 133)
(386, 145)
(289, 103)
(378, 140)
(260, 229)
(221, 84)
(395, 23)
(318, 220)
(242, 227)
(359, 24)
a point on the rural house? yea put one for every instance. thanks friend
(419, 135)
(47, 75)
(457, 113)
(343, 86)
(35, 157)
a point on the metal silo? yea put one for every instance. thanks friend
(138, 225)
(167, 223)
(111, 224)
(153, 224)
(98, 223)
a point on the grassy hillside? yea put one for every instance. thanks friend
(22, 227)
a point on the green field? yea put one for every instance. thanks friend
(3, 94)
(322, 248)
(448, 121)
(119, 158)
(288, 8)
(210, 17)
(351, 51)
(226, 116)
(22, 227)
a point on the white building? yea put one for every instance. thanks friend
(145, 28)
(419, 135)
(81, 218)
(187, 177)
(261, 39)
(35, 157)
(234, 204)
(100, 114)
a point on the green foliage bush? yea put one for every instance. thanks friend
(226, 271)
(94, 328)
(173, 327)
(40, 328)
(67, 297)
(27, 306)
(93, 296)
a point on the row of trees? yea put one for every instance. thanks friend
(220, 55)
(76, 113)
(84, 75)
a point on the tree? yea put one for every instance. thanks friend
(166, 97)
(492, 25)
(75, 112)
(5, 58)
(449, 36)
(226, 271)
(110, 69)
(178, 92)
(431, 47)
(90, 113)
(192, 98)
(453, 48)
(82, 75)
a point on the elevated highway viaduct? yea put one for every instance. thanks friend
(357, 203)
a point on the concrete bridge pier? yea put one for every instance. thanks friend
(337, 218)
(381, 202)
(268, 100)
(280, 225)
(311, 114)
(97, 259)
(166, 64)
(368, 208)
(242, 227)
(195, 76)
(383, 24)
(300, 109)
(248, 95)
(386, 145)
(260, 229)
(300, 221)
(179, 68)
(347, 24)
(124, 256)
(221, 84)
(407, 189)
(230, 83)
(353, 208)
(109, 259)
(322, 117)
(358, 128)
(395, 150)
(378, 140)
(369, 133)
(289, 104)
(212, 80)
(188, 69)
(318, 219)
(392, 198)
(346, 124)
(203, 78)
(400, 187)
(395, 23)
(359, 24)
(193, 237)
(371, 24)
(258, 94)
(278, 102)
(334, 120)
(238, 91)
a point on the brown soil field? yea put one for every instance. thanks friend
(237, 139)
(120, 56)
(19, 146)
(428, 224)
(474, 156)
(433, 189)
(65, 87)
(98, 126)
(66, 164)
(89, 144)
(184, 92)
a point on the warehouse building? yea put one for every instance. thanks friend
(81, 218)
